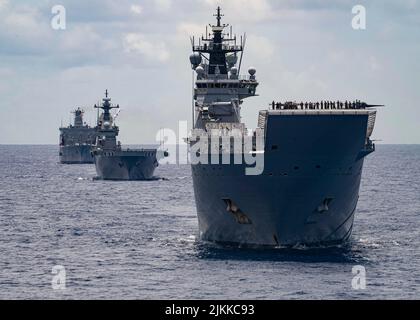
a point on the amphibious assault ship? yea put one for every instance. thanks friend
(303, 187)
(76, 141)
(111, 161)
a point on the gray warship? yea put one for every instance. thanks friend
(111, 161)
(76, 141)
(306, 189)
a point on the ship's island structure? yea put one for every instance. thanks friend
(313, 154)
(76, 141)
(111, 160)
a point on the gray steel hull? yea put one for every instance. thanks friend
(76, 154)
(126, 166)
(308, 191)
(282, 210)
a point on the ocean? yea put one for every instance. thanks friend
(138, 240)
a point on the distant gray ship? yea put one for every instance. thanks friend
(312, 154)
(76, 141)
(114, 163)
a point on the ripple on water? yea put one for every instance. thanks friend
(139, 240)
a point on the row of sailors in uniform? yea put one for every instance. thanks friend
(327, 105)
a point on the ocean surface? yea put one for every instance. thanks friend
(138, 240)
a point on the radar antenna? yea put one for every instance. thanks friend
(106, 106)
(218, 16)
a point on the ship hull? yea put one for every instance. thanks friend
(275, 210)
(126, 165)
(307, 193)
(76, 154)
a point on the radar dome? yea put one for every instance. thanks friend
(195, 59)
(231, 59)
(252, 71)
(234, 71)
(199, 70)
(107, 124)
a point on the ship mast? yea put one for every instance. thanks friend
(217, 46)
(219, 88)
(107, 107)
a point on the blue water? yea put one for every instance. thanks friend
(137, 240)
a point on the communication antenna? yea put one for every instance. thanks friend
(243, 43)
(97, 115)
(192, 102)
(117, 114)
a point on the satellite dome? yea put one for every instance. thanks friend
(199, 70)
(195, 59)
(252, 71)
(234, 71)
(231, 59)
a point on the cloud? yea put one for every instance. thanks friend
(190, 29)
(302, 49)
(163, 5)
(3, 4)
(374, 64)
(136, 9)
(81, 38)
(260, 48)
(21, 27)
(151, 49)
(244, 10)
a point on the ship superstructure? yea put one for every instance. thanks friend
(76, 141)
(306, 189)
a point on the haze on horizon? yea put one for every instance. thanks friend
(303, 50)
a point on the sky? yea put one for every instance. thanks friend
(139, 49)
